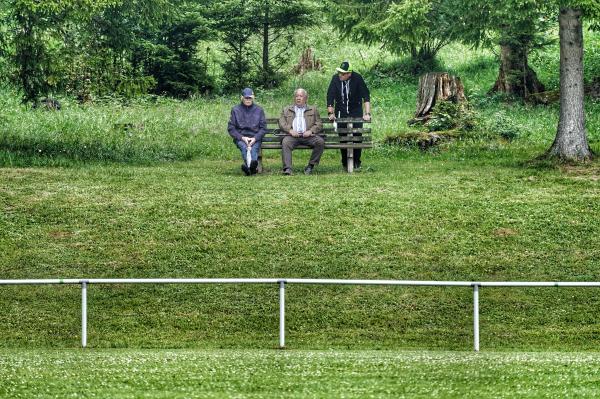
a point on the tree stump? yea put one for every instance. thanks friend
(435, 87)
(308, 62)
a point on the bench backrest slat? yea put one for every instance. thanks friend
(275, 121)
(327, 138)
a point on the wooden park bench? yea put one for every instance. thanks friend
(353, 138)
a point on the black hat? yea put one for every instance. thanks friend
(344, 68)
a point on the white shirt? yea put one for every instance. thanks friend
(299, 123)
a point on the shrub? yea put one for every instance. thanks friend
(504, 126)
(447, 115)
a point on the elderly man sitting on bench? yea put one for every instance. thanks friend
(302, 124)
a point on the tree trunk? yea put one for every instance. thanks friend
(435, 87)
(265, 47)
(30, 55)
(515, 77)
(571, 142)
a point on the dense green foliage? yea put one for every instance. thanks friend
(483, 22)
(269, 25)
(171, 56)
(417, 28)
(36, 37)
(91, 49)
(129, 48)
(297, 374)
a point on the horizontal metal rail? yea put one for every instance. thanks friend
(282, 282)
(301, 281)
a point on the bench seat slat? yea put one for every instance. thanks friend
(277, 146)
(331, 131)
(328, 139)
(347, 130)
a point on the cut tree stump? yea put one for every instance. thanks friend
(435, 87)
(308, 62)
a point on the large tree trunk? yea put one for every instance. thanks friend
(571, 142)
(515, 77)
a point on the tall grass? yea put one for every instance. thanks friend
(154, 129)
(142, 132)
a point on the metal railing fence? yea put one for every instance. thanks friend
(282, 282)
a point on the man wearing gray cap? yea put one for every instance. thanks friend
(247, 126)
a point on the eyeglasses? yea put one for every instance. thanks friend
(248, 98)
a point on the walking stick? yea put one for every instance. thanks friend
(248, 155)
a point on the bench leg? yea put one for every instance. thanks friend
(259, 168)
(350, 152)
(350, 158)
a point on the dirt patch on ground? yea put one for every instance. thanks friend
(59, 234)
(591, 173)
(505, 232)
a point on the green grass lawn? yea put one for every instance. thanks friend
(458, 214)
(295, 374)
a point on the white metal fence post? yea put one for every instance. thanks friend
(476, 317)
(282, 282)
(281, 314)
(83, 314)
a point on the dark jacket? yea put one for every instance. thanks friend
(311, 115)
(247, 121)
(357, 94)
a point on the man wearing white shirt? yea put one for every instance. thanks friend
(302, 124)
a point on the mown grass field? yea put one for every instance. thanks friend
(447, 216)
(124, 374)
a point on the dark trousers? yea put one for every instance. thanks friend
(289, 143)
(357, 151)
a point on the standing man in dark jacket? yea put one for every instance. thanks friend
(247, 126)
(345, 97)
